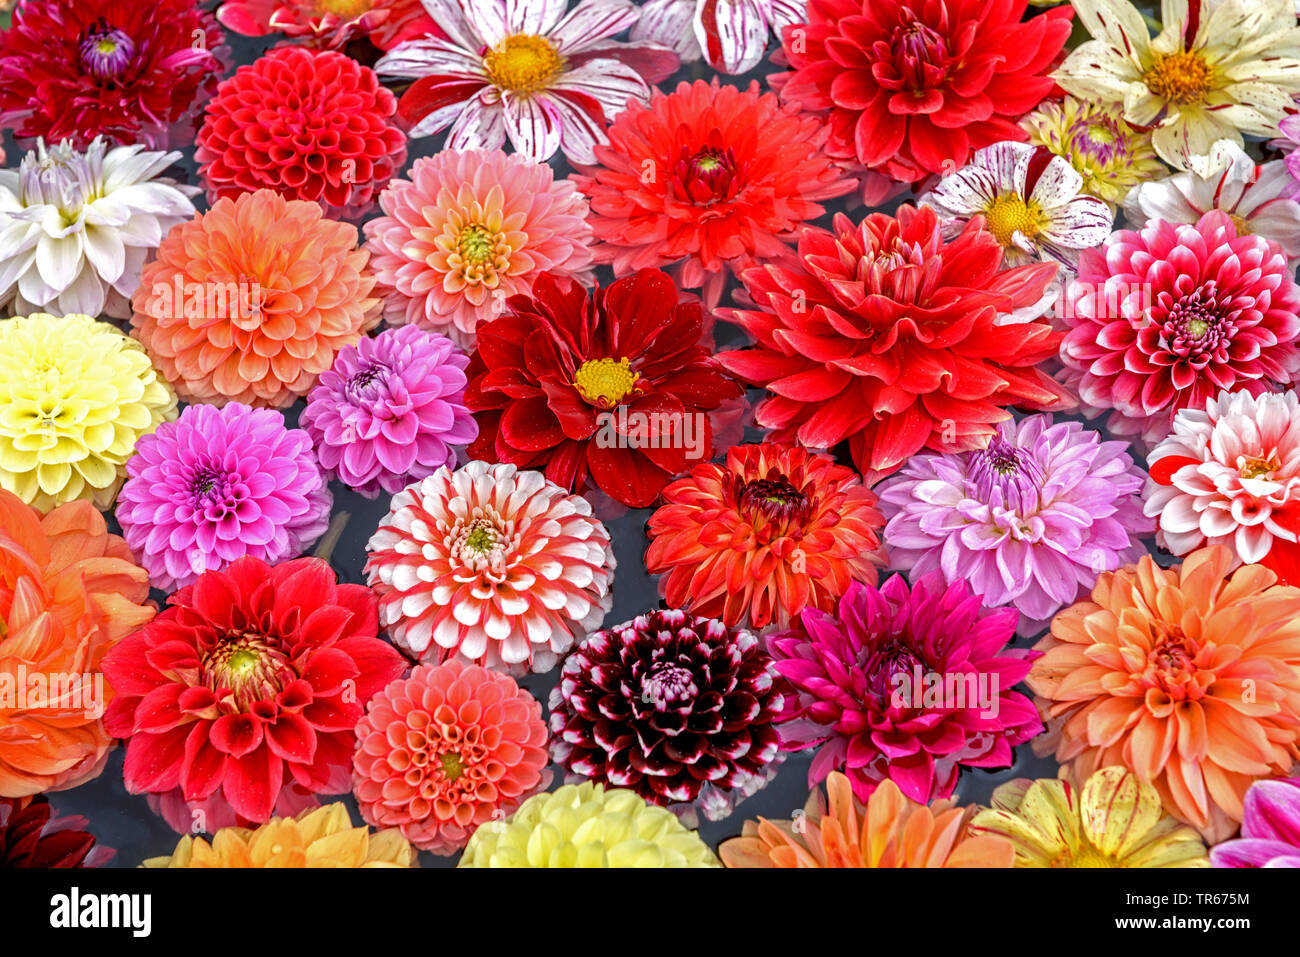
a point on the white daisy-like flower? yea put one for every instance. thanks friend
(732, 35)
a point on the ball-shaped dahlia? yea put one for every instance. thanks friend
(584, 825)
(770, 531)
(445, 750)
(469, 229)
(76, 395)
(251, 301)
(32, 835)
(219, 484)
(490, 565)
(1184, 675)
(1166, 318)
(1031, 521)
(389, 410)
(309, 125)
(677, 708)
(908, 685)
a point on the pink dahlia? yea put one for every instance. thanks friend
(468, 230)
(389, 410)
(1165, 319)
(490, 565)
(218, 484)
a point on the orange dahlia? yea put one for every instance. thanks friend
(250, 301)
(1183, 675)
(68, 592)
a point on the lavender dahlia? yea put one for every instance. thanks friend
(218, 484)
(389, 411)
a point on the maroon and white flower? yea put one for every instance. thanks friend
(732, 35)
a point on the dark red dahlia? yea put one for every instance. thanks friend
(251, 676)
(674, 707)
(612, 385)
(31, 836)
(912, 87)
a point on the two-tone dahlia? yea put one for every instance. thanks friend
(32, 835)
(468, 229)
(1110, 155)
(251, 678)
(1031, 521)
(1183, 675)
(490, 565)
(612, 387)
(770, 531)
(888, 336)
(313, 125)
(329, 23)
(1270, 828)
(445, 750)
(251, 301)
(677, 708)
(1166, 318)
(904, 684)
(731, 35)
(219, 484)
(389, 410)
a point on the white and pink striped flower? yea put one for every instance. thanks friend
(732, 35)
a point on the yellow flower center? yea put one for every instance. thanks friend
(451, 766)
(605, 382)
(106, 45)
(1242, 224)
(1196, 328)
(240, 663)
(1256, 467)
(347, 9)
(476, 245)
(523, 63)
(1010, 214)
(1183, 77)
(481, 537)
(1084, 855)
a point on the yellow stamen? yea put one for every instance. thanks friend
(347, 9)
(523, 63)
(605, 382)
(1009, 214)
(1182, 77)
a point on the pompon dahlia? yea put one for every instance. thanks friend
(887, 336)
(908, 685)
(32, 835)
(1270, 828)
(612, 387)
(130, 72)
(490, 565)
(309, 125)
(251, 301)
(1184, 676)
(469, 229)
(735, 174)
(584, 825)
(68, 592)
(767, 533)
(1167, 318)
(251, 677)
(1111, 156)
(677, 708)
(389, 410)
(329, 23)
(445, 750)
(219, 484)
(835, 829)
(912, 88)
(1031, 521)
(76, 395)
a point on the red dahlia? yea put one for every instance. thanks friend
(32, 836)
(912, 87)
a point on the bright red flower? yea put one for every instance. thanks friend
(612, 385)
(252, 675)
(330, 23)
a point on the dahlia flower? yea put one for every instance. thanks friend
(446, 749)
(1110, 155)
(735, 175)
(219, 484)
(252, 676)
(527, 72)
(770, 531)
(1116, 821)
(75, 229)
(75, 397)
(323, 837)
(887, 336)
(468, 229)
(1217, 70)
(309, 125)
(130, 72)
(1160, 654)
(731, 35)
(912, 89)
(68, 592)
(908, 685)
(329, 23)
(677, 708)
(888, 830)
(584, 825)
(492, 566)
(612, 387)
(31, 835)
(1031, 521)
(251, 301)
(1165, 319)
(389, 410)
(1270, 828)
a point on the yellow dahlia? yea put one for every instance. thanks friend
(75, 396)
(1111, 156)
